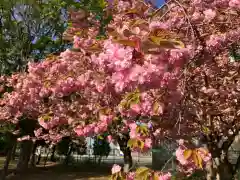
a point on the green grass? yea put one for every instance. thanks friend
(61, 172)
(12, 163)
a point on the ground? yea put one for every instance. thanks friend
(81, 171)
(61, 172)
(12, 164)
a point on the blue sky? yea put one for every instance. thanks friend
(159, 2)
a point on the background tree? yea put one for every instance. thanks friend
(25, 23)
(136, 74)
(101, 147)
(31, 30)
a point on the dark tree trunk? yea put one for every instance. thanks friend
(225, 171)
(52, 158)
(14, 151)
(33, 157)
(122, 141)
(210, 171)
(127, 159)
(219, 168)
(39, 157)
(99, 159)
(237, 169)
(7, 161)
(25, 154)
(68, 154)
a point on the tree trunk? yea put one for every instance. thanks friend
(39, 155)
(14, 151)
(210, 171)
(7, 161)
(237, 169)
(127, 159)
(68, 154)
(25, 153)
(219, 170)
(122, 141)
(52, 158)
(225, 172)
(33, 157)
(99, 159)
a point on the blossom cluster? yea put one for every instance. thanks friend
(191, 160)
(135, 71)
(116, 169)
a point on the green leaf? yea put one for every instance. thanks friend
(197, 159)
(138, 129)
(187, 154)
(124, 42)
(206, 130)
(143, 129)
(132, 11)
(166, 43)
(130, 98)
(156, 107)
(140, 144)
(102, 3)
(155, 176)
(100, 137)
(112, 177)
(131, 143)
(46, 117)
(173, 178)
(139, 22)
(142, 173)
(203, 150)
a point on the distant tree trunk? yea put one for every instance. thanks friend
(68, 154)
(210, 171)
(33, 157)
(122, 141)
(99, 159)
(225, 170)
(14, 151)
(219, 168)
(127, 159)
(8, 159)
(237, 169)
(39, 155)
(52, 158)
(25, 154)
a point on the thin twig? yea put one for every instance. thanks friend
(167, 163)
(159, 9)
(186, 15)
(165, 13)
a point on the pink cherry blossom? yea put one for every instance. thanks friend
(166, 176)
(234, 4)
(209, 14)
(148, 143)
(116, 168)
(109, 138)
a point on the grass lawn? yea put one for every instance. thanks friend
(12, 164)
(61, 172)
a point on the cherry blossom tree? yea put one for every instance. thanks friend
(154, 73)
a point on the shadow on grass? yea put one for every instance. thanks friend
(12, 163)
(62, 172)
(56, 171)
